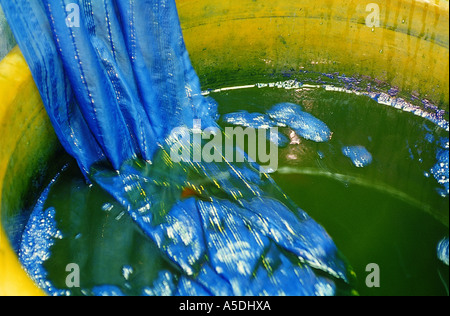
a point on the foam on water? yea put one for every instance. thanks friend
(39, 236)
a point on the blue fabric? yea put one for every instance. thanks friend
(304, 124)
(109, 88)
(238, 224)
(289, 115)
(359, 155)
(114, 88)
(257, 121)
(443, 250)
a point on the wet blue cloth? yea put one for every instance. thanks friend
(238, 224)
(289, 115)
(359, 155)
(303, 123)
(114, 88)
(246, 119)
(257, 121)
(443, 250)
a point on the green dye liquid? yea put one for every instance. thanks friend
(388, 213)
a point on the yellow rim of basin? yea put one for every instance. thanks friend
(19, 101)
(236, 39)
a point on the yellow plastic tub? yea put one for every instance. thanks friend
(237, 41)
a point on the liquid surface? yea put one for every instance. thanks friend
(384, 206)
(390, 210)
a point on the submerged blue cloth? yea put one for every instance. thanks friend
(237, 235)
(114, 88)
(359, 155)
